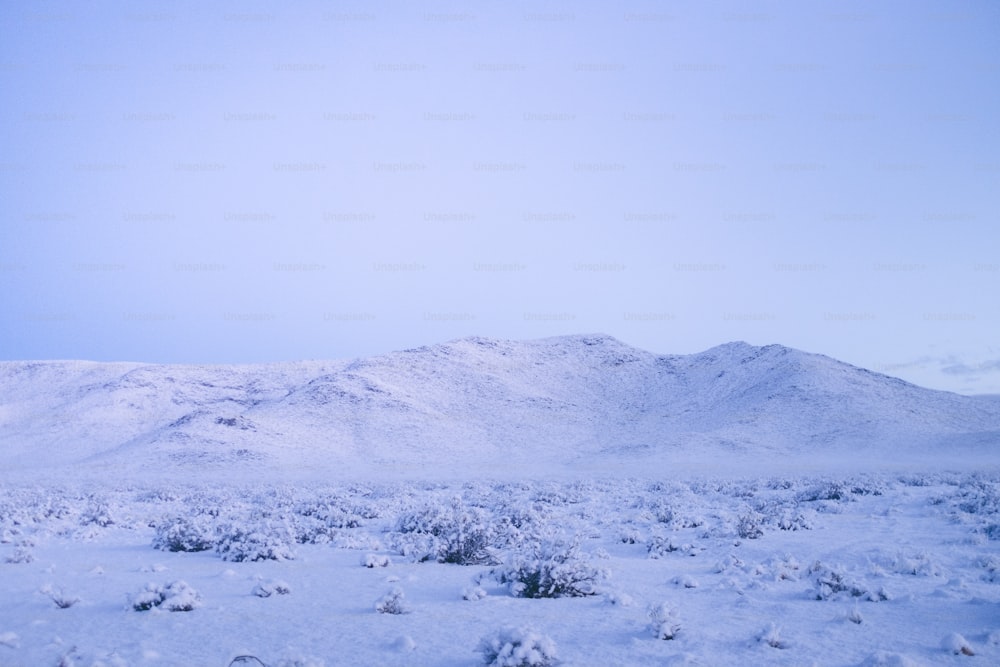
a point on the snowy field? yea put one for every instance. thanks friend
(851, 570)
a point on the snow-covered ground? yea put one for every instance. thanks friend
(566, 501)
(862, 570)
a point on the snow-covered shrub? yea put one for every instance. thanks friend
(664, 621)
(992, 566)
(473, 593)
(825, 491)
(831, 582)
(461, 535)
(20, 555)
(660, 545)
(629, 536)
(61, 598)
(264, 539)
(176, 596)
(957, 644)
(97, 513)
(551, 569)
(619, 599)
(183, 534)
(375, 560)
(748, 526)
(792, 520)
(246, 661)
(771, 636)
(265, 589)
(318, 522)
(517, 647)
(393, 602)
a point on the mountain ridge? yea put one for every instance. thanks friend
(585, 400)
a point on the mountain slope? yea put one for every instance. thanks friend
(479, 405)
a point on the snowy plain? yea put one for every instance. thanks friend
(605, 505)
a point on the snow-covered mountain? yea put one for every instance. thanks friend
(482, 406)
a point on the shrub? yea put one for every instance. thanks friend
(375, 560)
(266, 589)
(182, 534)
(551, 569)
(663, 621)
(831, 582)
(748, 526)
(176, 596)
(20, 555)
(518, 647)
(266, 540)
(461, 535)
(393, 602)
(771, 636)
(57, 595)
(473, 593)
(957, 644)
(97, 514)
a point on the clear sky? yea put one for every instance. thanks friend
(248, 181)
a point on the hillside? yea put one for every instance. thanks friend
(480, 406)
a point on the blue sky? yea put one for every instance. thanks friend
(243, 182)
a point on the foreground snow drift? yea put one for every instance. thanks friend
(874, 570)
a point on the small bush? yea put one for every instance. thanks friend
(266, 589)
(393, 602)
(957, 644)
(375, 560)
(20, 555)
(748, 526)
(266, 540)
(461, 535)
(473, 593)
(59, 597)
(183, 534)
(771, 636)
(831, 582)
(176, 596)
(551, 569)
(663, 621)
(518, 647)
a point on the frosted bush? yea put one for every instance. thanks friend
(176, 596)
(461, 535)
(262, 540)
(375, 560)
(832, 582)
(771, 636)
(551, 569)
(183, 534)
(61, 599)
(664, 621)
(660, 545)
(473, 593)
(20, 555)
(748, 526)
(825, 491)
(266, 589)
(393, 602)
(97, 513)
(518, 647)
(957, 644)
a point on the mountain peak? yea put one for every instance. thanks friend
(584, 399)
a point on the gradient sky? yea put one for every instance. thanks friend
(243, 182)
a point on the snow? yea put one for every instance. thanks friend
(480, 407)
(885, 570)
(744, 505)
